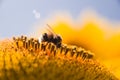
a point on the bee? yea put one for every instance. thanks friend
(52, 37)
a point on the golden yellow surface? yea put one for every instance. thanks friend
(95, 36)
(22, 64)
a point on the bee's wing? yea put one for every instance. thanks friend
(51, 30)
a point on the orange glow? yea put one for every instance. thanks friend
(93, 33)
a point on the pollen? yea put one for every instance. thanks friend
(26, 58)
(31, 44)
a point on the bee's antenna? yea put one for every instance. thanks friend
(51, 30)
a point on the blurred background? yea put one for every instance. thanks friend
(19, 17)
(91, 24)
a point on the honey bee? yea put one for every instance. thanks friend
(52, 37)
